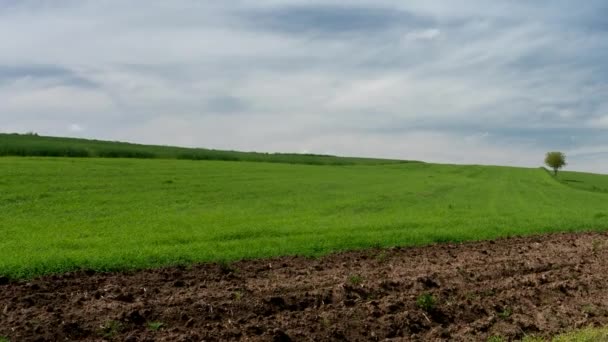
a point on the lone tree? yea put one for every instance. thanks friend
(555, 160)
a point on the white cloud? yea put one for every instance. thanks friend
(427, 34)
(75, 128)
(430, 80)
(601, 122)
(60, 100)
(477, 137)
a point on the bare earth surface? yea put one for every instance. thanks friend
(511, 287)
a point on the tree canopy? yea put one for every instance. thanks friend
(555, 160)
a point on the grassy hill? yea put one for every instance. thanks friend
(40, 146)
(61, 214)
(584, 181)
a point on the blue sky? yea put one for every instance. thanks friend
(487, 82)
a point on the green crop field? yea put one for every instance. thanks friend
(40, 146)
(585, 181)
(62, 214)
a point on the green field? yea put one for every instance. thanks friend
(589, 334)
(61, 214)
(40, 146)
(584, 181)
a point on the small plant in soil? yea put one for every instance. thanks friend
(426, 302)
(489, 293)
(237, 295)
(505, 313)
(227, 267)
(463, 273)
(325, 322)
(355, 279)
(4, 339)
(588, 309)
(111, 329)
(496, 338)
(155, 326)
(472, 296)
(382, 257)
(596, 244)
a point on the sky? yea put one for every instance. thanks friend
(468, 81)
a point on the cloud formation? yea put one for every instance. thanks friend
(488, 82)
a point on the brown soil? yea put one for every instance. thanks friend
(511, 287)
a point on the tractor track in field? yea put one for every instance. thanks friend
(538, 285)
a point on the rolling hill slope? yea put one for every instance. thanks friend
(61, 214)
(41, 146)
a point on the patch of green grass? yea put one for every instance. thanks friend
(589, 334)
(237, 295)
(4, 339)
(584, 335)
(64, 214)
(505, 313)
(381, 257)
(532, 338)
(588, 309)
(496, 338)
(155, 326)
(426, 302)
(585, 181)
(111, 329)
(355, 279)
